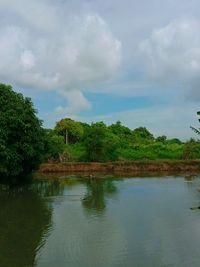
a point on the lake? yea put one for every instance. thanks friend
(102, 222)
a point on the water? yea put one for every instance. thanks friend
(101, 222)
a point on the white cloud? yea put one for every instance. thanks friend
(27, 60)
(76, 102)
(172, 53)
(37, 14)
(43, 48)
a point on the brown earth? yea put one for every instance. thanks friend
(128, 167)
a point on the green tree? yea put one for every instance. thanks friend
(141, 134)
(54, 144)
(174, 141)
(100, 143)
(121, 132)
(162, 138)
(119, 129)
(191, 149)
(21, 135)
(74, 130)
(94, 142)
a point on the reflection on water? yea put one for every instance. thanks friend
(25, 220)
(101, 222)
(94, 199)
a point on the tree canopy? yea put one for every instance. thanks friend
(21, 135)
(100, 142)
(74, 129)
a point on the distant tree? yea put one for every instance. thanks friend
(175, 141)
(94, 141)
(74, 130)
(119, 129)
(161, 139)
(85, 126)
(141, 134)
(100, 143)
(111, 144)
(191, 149)
(54, 145)
(21, 135)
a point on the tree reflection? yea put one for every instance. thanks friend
(97, 190)
(190, 178)
(49, 188)
(25, 220)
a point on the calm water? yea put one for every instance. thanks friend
(101, 223)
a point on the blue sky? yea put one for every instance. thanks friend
(137, 61)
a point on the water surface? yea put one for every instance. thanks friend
(108, 222)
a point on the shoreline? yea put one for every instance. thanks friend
(127, 167)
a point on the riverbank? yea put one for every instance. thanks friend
(128, 167)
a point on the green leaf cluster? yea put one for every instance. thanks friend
(21, 135)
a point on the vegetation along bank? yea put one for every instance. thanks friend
(25, 144)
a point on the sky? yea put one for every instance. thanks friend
(137, 61)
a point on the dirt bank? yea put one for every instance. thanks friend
(129, 167)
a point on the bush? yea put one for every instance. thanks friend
(76, 152)
(191, 150)
(100, 143)
(54, 145)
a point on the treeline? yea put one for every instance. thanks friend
(25, 144)
(98, 142)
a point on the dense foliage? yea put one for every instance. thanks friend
(21, 135)
(73, 129)
(99, 142)
(53, 145)
(24, 144)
